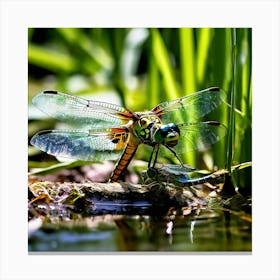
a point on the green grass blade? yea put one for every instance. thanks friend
(50, 59)
(153, 82)
(187, 57)
(160, 52)
(58, 166)
(204, 44)
(231, 128)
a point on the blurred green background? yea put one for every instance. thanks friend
(141, 67)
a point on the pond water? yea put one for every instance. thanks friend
(144, 228)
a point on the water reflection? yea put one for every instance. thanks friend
(202, 230)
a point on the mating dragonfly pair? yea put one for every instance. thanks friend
(110, 132)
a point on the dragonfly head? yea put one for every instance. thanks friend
(146, 127)
(167, 134)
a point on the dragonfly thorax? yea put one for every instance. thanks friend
(167, 134)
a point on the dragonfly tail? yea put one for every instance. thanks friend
(123, 162)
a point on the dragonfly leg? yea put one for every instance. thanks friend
(175, 154)
(152, 162)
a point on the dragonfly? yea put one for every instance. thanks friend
(105, 131)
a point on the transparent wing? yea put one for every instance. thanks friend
(92, 145)
(191, 107)
(198, 136)
(79, 111)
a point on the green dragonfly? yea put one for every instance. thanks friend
(110, 132)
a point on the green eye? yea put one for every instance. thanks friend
(168, 134)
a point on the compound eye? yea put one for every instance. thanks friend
(176, 128)
(171, 134)
(164, 131)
